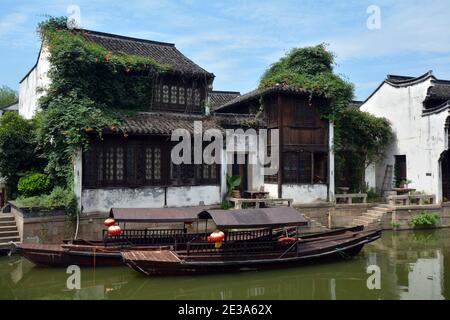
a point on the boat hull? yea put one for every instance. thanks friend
(345, 249)
(66, 255)
(92, 253)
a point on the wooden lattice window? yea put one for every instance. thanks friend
(152, 164)
(114, 164)
(158, 93)
(196, 98)
(297, 167)
(174, 95)
(165, 94)
(182, 174)
(133, 164)
(139, 162)
(208, 174)
(181, 98)
(189, 96)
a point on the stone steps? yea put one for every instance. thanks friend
(6, 240)
(372, 217)
(13, 233)
(7, 218)
(12, 227)
(8, 231)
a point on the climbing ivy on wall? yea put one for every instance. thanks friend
(91, 89)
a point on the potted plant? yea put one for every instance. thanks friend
(232, 183)
(406, 183)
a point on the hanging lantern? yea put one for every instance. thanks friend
(216, 236)
(109, 222)
(114, 230)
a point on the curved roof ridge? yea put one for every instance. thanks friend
(437, 109)
(226, 91)
(405, 82)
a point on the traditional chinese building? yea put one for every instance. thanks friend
(132, 167)
(418, 109)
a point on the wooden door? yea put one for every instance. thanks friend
(445, 168)
(241, 169)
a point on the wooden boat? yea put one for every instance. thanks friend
(231, 256)
(107, 252)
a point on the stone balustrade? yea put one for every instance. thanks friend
(348, 197)
(411, 199)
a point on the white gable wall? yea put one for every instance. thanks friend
(30, 89)
(420, 138)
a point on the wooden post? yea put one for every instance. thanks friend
(280, 147)
(329, 219)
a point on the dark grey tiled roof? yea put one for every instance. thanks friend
(440, 90)
(11, 107)
(406, 80)
(164, 53)
(398, 79)
(219, 98)
(256, 94)
(355, 104)
(164, 123)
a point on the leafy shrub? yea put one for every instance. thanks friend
(7, 96)
(34, 184)
(19, 150)
(232, 182)
(425, 219)
(58, 198)
(225, 205)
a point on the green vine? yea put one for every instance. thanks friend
(91, 89)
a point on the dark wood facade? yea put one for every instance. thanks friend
(304, 139)
(140, 161)
(180, 94)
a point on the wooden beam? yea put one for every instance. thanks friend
(280, 147)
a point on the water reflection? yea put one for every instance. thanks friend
(413, 266)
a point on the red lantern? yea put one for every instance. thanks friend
(216, 236)
(286, 240)
(109, 222)
(114, 230)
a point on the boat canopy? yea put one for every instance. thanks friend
(155, 215)
(255, 218)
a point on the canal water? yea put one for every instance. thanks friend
(412, 265)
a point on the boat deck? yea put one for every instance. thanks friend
(42, 247)
(162, 256)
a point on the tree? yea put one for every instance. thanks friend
(19, 151)
(360, 140)
(7, 96)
